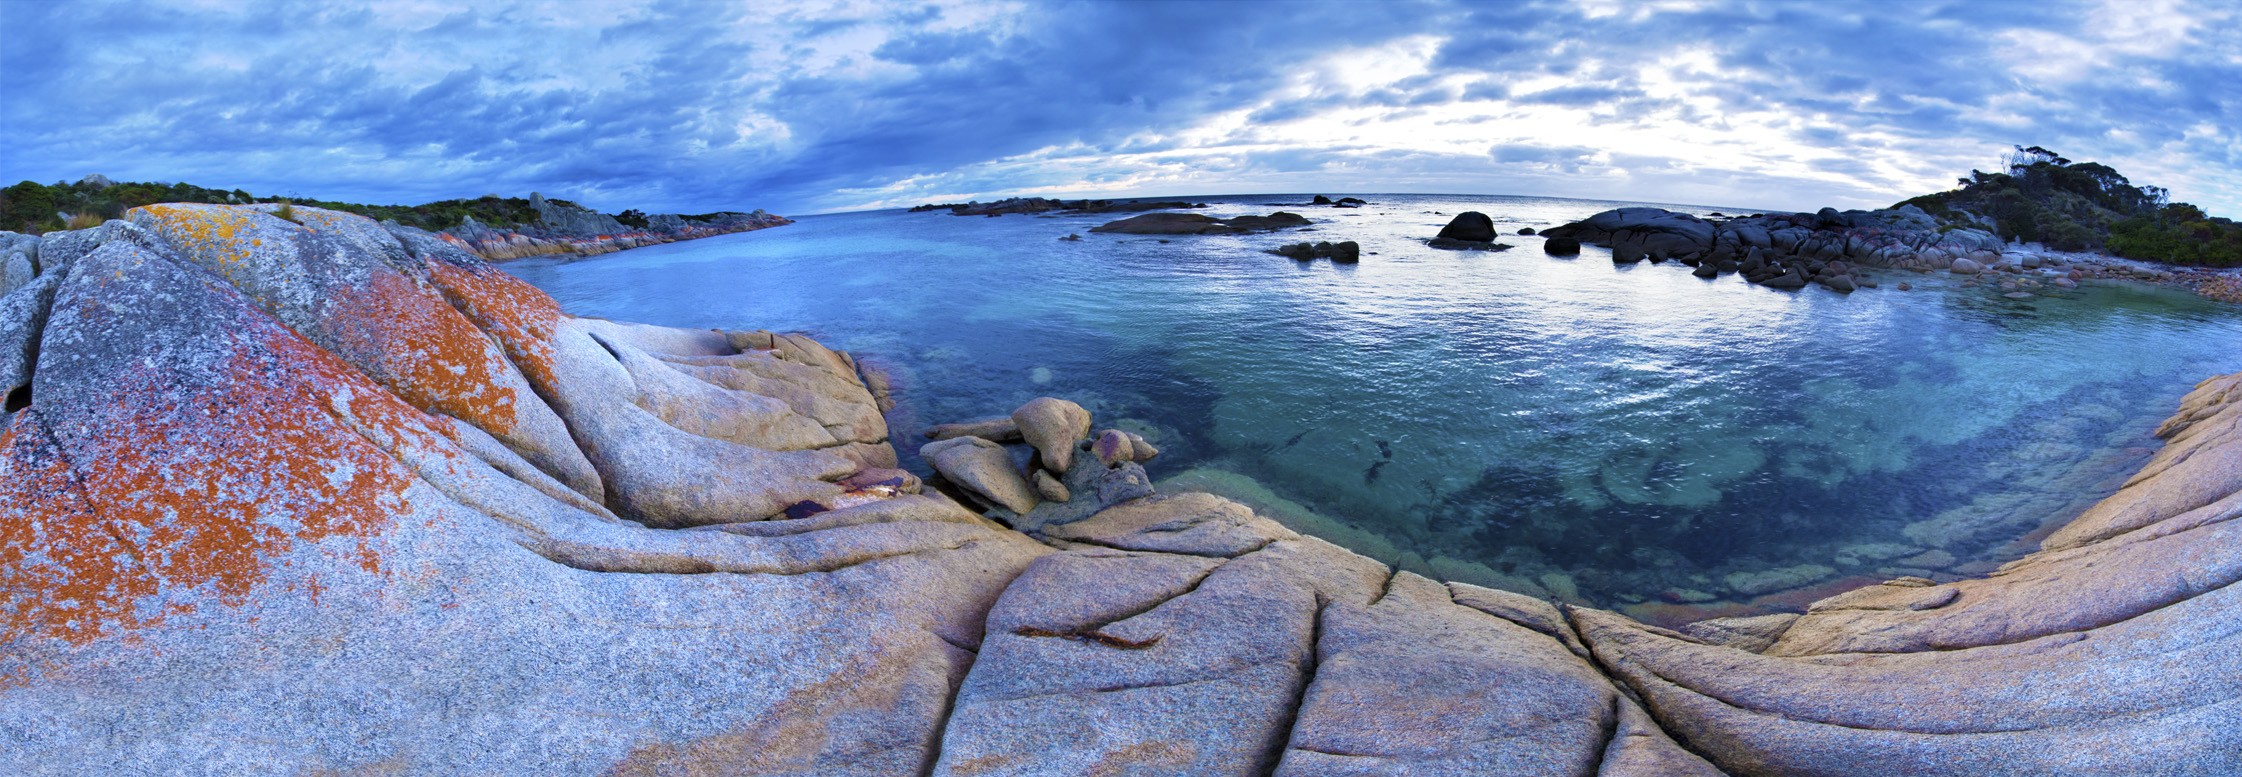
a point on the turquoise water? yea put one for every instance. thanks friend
(1615, 434)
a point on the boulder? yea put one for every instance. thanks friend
(1471, 226)
(1561, 246)
(982, 467)
(1053, 426)
(1346, 252)
(1050, 487)
(1528, 231)
(1791, 279)
(1965, 267)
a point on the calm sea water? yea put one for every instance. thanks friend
(1614, 434)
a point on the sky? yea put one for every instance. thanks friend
(806, 106)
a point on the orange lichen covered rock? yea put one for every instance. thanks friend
(352, 288)
(268, 474)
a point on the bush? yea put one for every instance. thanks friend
(83, 221)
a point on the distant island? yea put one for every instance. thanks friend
(493, 227)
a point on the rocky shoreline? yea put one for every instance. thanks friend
(352, 483)
(1833, 249)
(562, 230)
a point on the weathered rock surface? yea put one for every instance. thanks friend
(1053, 426)
(982, 467)
(247, 524)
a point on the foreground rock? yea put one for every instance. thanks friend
(400, 513)
(270, 472)
(1198, 224)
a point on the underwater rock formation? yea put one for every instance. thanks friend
(327, 495)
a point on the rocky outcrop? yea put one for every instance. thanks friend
(1199, 224)
(1832, 249)
(1033, 205)
(1784, 251)
(562, 228)
(332, 496)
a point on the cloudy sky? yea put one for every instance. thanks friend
(805, 107)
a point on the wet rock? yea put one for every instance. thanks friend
(1112, 447)
(1561, 246)
(1965, 267)
(983, 468)
(1053, 426)
(1470, 226)
(1123, 482)
(1792, 279)
(1528, 231)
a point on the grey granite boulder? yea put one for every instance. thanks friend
(1053, 426)
(982, 467)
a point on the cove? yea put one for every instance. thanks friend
(1625, 436)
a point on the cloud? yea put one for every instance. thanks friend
(693, 106)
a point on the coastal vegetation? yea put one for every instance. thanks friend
(35, 208)
(2041, 196)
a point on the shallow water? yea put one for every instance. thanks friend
(1617, 435)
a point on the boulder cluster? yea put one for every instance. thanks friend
(1066, 460)
(1343, 252)
(327, 495)
(1200, 224)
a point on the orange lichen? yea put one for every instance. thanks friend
(216, 231)
(521, 316)
(200, 493)
(413, 341)
(65, 571)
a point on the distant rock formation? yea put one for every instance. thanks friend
(1031, 205)
(326, 495)
(1198, 224)
(1832, 248)
(568, 229)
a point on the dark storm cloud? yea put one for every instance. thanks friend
(696, 106)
